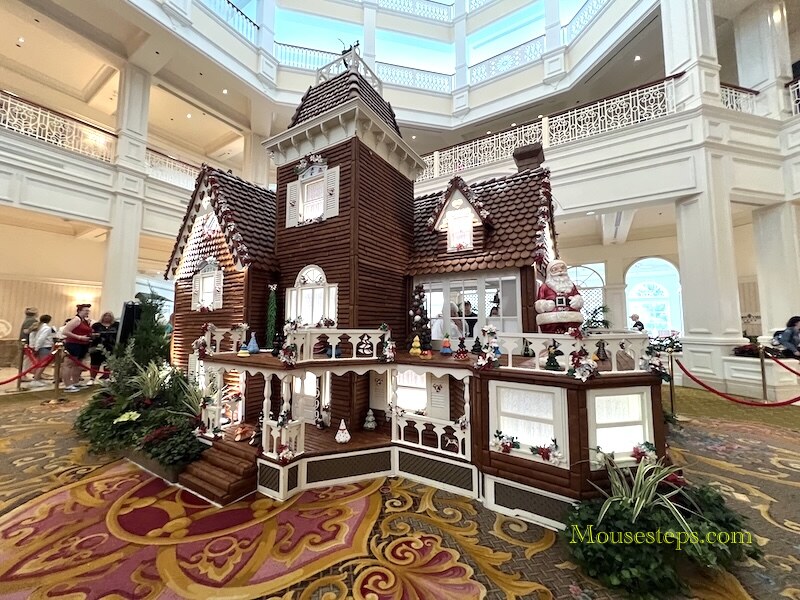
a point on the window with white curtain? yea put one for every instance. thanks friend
(412, 390)
(535, 415)
(312, 297)
(619, 420)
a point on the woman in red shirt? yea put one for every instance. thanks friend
(77, 338)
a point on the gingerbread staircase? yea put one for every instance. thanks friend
(224, 473)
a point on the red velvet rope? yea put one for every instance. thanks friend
(787, 367)
(42, 363)
(731, 398)
(85, 368)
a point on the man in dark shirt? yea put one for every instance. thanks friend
(470, 317)
(637, 324)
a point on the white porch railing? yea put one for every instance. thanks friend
(448, 438)
(225, 408)
(474, 5)
(623, 351)
(164, 168)
(581, 20)
(322, 343)
(522, 55)
(292, 436)
(736, 98)
(54, 128)
(235, 18)
(414, 78)
(303, 58)
(636, 106)
(794, 96)
(420, 8)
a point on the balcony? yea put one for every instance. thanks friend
(738, 98)
(228, 12)
(794, 96)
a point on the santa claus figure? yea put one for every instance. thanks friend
(558, 303)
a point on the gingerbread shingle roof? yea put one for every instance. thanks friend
(246, 214)
(338, 90)
(519, 221)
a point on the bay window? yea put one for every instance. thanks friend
(619, 420)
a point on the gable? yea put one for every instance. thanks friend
(206, 240)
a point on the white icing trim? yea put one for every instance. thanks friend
(567, 316)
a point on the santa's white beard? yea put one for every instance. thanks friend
(561, 284)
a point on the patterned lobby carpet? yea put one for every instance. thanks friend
(74, 528)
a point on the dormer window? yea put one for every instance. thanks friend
(458, 219)
(314, 197)
(207, 286)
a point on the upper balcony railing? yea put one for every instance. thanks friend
(522, 55)
(581, 20)
(298, 57)
(165, 168)
(55, 128)
(622, 110)
(414, 78)
(426, 9)
(738, 98)
(233, 16)
(794, 95)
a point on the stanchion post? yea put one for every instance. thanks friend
(763, 372)
(671, 381)
(21, 364)
(59, 358)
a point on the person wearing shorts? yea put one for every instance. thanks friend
(77, 339)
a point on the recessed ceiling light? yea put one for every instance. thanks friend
(21, 40)
(488, 132)
(188, 115)
(413, 137)
(513, 124)
(637, 58)
(591, 212)
(540, 117)
(225, 91)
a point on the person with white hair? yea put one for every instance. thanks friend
(637, 324)
(454, 329)
(558, 302)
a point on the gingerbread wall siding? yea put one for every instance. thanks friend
(528, 288)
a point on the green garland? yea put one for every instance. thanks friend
(272, 315)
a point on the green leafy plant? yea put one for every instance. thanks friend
(597, 319)
(149, 382)
(172, 445)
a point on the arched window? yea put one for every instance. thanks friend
(653, 291)
(590, 281)
(312, 298)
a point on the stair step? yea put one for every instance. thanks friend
(233, 464)
(241, 488)
(213, 474)
(238, 449)
(202, 487)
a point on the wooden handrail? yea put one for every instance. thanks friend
(237, 9)
(740, 88)
(795, 80)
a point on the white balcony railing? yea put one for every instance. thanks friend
(165, 168)
(323, 343)
(426, 9)
(740, 99)
(235, 18)
(54, 128)
(303, 58)
(442, 437)
(636, 106)
(794, 96)
(581, 20)
(522, 55)
(474, 5)
(414, 78)
(292, 436)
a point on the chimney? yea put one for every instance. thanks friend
(529, 157)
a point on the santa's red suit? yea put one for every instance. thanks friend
(558, 311)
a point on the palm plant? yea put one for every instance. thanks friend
(194, 398)
(149, 381)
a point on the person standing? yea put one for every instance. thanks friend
(470, 317)
(790, 338)
(28, 325)
(104, 340)
(41, 341)
(637, 324)
(77, 339)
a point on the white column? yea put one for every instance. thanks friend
(554, 57)
(460, 80)
(370, 18)
(709, 284)
(122, 254)
(256, 161)
(265, 19)
(776, 231)
(617, 306)
(265, 428)
(133, 107)
(762, 55)
(690, 46)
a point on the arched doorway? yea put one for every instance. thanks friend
(653, 291)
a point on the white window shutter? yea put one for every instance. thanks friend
(439, 397)
(331, 193)
(192, 367)
(292, 203)
(196, 291)
(218, 278)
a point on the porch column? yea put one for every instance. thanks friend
(286, 393)
(617, 306)
(776, 232)
(690, 46)
(468, 431)
(266, 409)
(392, 389)
(709, 284)
(762, 55)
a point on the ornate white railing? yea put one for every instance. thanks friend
(54, 128)
(322, 343)
(522, 55)
(234, 17)
(293, 436)
(736, 98)
(414, 78)
(303, 58)
(448, 438)
(635, 106)
(349, 60)
(474, 5)
(420, 8)
(618, 352)
(165, 168)
(794, 96)
(224, 408)
(581, 20)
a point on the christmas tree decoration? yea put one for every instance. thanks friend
(552, 357)
(365, 346)
(415, 347)
(446, 349)
(370, 424)
(526, 350)
(602, 354)
(477, 347)
(277, 344)
(461, 352)
(243, 352)
(420, 323)
(342, 435)
(252, 345)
